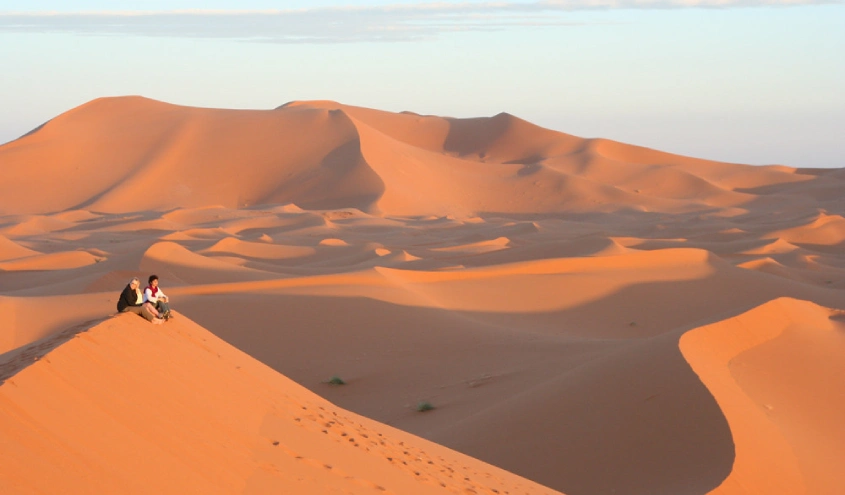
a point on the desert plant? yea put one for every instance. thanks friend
(336, 380)
(424, 406)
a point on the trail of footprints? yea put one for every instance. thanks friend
(432, 470)
(435, 471)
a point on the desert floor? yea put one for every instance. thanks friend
(588, 315)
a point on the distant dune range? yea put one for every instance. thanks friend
(119, 155)
(593, 316)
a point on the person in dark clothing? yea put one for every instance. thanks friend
(127, 297)
(131, 300)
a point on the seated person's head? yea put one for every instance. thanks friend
(153, 280)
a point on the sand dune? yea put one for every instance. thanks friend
(594, 316)
(259, 250)
(777, 246)
(27, 319)
(127, 407)
(52, 261)
(184, 266)
(10, 250)
(33, 224)
(776, 373)
(825, 230)
(770, 265)
(167, 156)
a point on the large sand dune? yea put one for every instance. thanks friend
(593, 316)
(127, 407)
(130, 154)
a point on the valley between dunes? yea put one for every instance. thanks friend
(585, 316)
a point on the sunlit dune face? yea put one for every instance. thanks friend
(588, 315)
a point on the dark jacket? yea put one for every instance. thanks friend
(127, 298)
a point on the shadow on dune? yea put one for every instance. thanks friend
(823, 181)
(33, 131)
(835, 249)
(759, 219)
(467, 136)
(586, 400)
(12, 362)
(637, 421)
(344, 180)
(584, 416)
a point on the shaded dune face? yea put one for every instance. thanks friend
(131, 153)
(775, 371)
(633, 419)
(127, 407)
(594, 316)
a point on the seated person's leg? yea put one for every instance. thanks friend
(144, 311)
(133, 309)
(147, 311)
(163, 309)
(149, 307)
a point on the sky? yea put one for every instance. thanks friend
(747, 81)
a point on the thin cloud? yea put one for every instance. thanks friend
(346, 24)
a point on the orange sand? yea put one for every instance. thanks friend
(589, 315)
(129, 407)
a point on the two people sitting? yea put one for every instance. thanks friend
(151, 304)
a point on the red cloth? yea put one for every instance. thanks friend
(153, 290)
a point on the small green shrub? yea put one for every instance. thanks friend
(336, 380)
(424, 406)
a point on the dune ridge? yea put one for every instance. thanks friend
(91, 410)
(594, 316)
(769, 458)
(168, 156)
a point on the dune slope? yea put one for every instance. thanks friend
(595, 316)
(129, 407)
(777, 374)
(131, 153)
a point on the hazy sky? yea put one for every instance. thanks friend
(751, 81)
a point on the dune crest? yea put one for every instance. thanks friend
(595, 316)
(140, 154)
(771, 456)
(219, 423)
(10, 250)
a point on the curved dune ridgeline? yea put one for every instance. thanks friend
(132, 153)
(586, 315)
(776, 372)
(127, 407)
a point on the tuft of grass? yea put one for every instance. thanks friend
(424, 406)
(336, 380)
